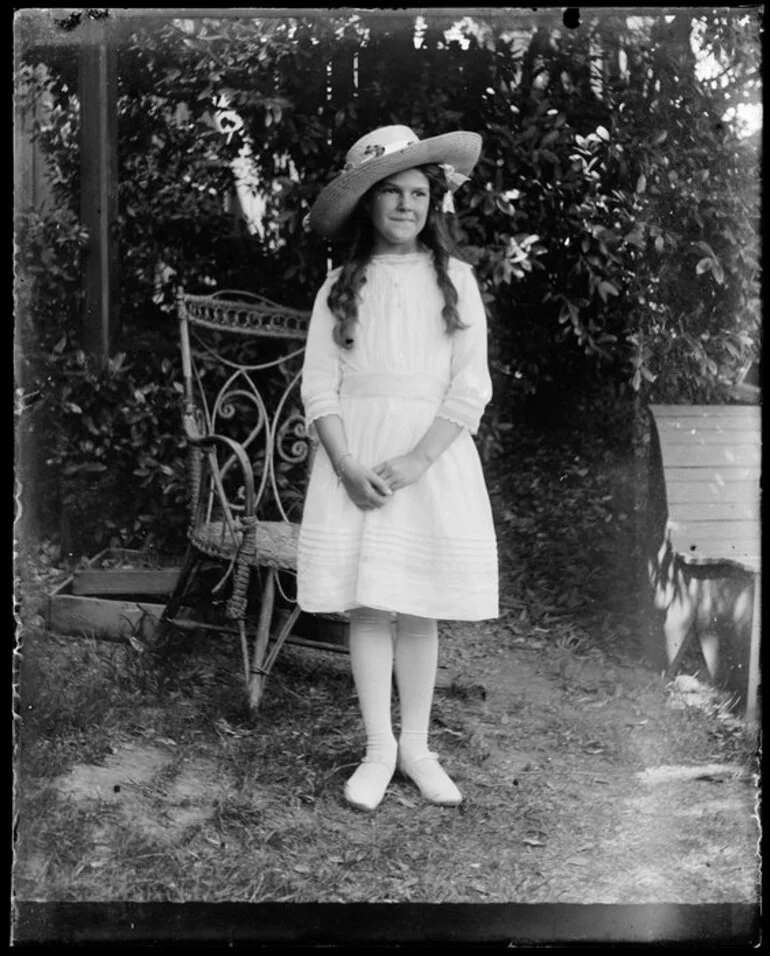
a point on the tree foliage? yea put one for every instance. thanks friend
(612, 219)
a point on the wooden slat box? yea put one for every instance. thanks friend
(712, 465)
(711, 462)
(86, 603)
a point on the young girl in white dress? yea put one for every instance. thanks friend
(397, 526)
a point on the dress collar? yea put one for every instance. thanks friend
(393, 258)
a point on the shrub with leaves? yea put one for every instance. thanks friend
(49, 280)
(612, 219)
(114, 450)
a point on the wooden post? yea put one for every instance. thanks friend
(99, 188)
(647, 623)
(31, 193)
(753, 704)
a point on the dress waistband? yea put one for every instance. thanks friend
(427, 388)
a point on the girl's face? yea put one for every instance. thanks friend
(398, 208)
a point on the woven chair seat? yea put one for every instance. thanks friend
(276, 542)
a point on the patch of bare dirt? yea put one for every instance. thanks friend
(147, 788)
(634, 817)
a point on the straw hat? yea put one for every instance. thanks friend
(381, 153)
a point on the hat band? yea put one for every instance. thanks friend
(375, 150)
(454, 178)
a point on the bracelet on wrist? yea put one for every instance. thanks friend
(339, 461)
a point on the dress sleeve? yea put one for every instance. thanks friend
(321, 366)
(470, 384)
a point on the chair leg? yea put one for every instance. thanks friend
(281, 637)
(257, 675)
(244, 649)
(190, 567)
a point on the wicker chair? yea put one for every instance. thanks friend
(249, 459)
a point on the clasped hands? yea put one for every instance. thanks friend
(370, 488)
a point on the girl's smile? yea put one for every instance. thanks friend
(398, 208)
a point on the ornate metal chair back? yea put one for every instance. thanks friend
(241, 362)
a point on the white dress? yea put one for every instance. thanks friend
(431, 549)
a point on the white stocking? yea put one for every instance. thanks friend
(371, 661)
(416, 661)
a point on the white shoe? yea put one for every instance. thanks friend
(366, 788)
(431, 779)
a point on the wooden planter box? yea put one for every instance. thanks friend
(118, 595)
(125, 581)
(76, 607)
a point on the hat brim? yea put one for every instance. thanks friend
(336, 202)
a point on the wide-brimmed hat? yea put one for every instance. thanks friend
(381, 153)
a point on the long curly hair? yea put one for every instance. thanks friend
(345, 293)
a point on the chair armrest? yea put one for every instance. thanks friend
(209, 441)
(191, 422)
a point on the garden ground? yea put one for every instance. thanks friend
(587, 776)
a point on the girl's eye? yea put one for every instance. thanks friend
(419, 193)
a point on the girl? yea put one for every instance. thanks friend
(397, 526)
